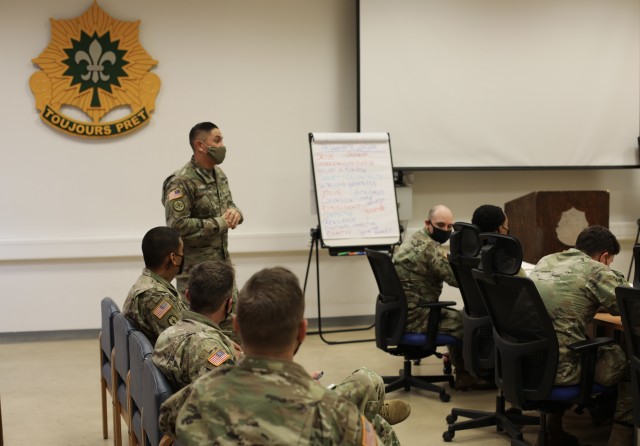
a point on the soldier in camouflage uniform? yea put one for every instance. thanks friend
(575, 285)
(195, 344)
(153, 304)
(198, 201)
(268, 399)
(423, 266)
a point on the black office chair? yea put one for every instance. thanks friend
(636, 260)
(155, 391)
(107, 309)
(478, 347)
(390, 323)
(526, 342)
(629, 305)
(139, 349)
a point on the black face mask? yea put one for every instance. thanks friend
(439, 235)
(181, 267)
(229, 310)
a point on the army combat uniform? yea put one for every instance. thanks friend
(190, 348)
(574, 287)
(195, 200)
(422, 266)
(267, 402)
(153, 304)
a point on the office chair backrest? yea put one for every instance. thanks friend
(108, 308)
(465, 247)
(155, 391)
(391, 304)
(526, 342)
(629, 305)
(122, 328)
(478, 348)
(636, 260)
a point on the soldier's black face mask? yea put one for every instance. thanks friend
(181, 266)
(440, 235)
(229, 309)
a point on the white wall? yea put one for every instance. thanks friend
(74, 211)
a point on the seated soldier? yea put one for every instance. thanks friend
(195, 344)
(153, 304)
(574, 285)
(274, 400)
(422, 265)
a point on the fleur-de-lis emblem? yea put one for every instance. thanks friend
(95, 62)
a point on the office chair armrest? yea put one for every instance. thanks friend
(589, 344)
(440, 304)
(588, 350)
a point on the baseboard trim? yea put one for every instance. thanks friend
(92, 333)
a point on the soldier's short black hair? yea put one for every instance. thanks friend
(597, 239)
(157, 244)
(270, 308)
(198, 130)
(488, 218)
(210, 285)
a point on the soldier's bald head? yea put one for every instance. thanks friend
(440, 211)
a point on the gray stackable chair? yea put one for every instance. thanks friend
(122, 328)
(155, 391)
(139, 349)
(107, 309)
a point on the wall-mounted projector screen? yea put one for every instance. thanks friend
(502, 83)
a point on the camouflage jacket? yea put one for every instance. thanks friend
(153, 304)
(195, 200)
(422, 266)
(574, 287)
(263, 402)
(190, 348)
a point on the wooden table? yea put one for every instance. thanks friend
(605, 324)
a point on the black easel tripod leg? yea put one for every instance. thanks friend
(315, 236)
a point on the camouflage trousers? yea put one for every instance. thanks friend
(226, 326)
(612, 368)
(365, 389)
(451, 324)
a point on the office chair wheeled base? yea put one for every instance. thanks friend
(508, 421)
(406, 380)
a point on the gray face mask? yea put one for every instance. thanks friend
(217, 153)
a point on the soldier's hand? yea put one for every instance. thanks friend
(238, 350)
(232, 217)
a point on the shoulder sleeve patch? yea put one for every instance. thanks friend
(368, 433)
(218, 358)
(178, 205)
(162, 309)
(175, 194)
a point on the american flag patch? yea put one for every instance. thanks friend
(175, 194)
(162, 309)
(218, 358)
(368, 435)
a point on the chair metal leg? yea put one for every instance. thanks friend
(406, 380)
(504, 421)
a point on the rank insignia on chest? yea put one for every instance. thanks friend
(162, 309)
(218, 358)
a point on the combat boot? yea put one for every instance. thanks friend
(466, 381)
(395, 411)
(621, 435)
